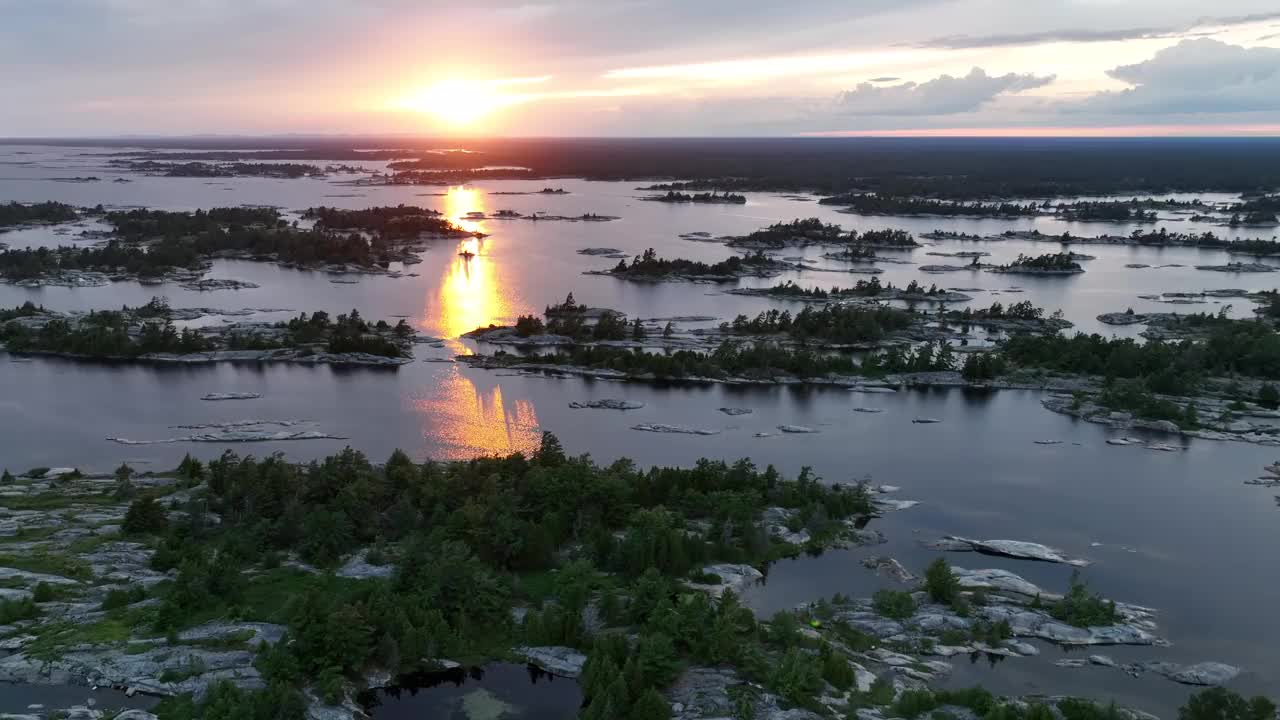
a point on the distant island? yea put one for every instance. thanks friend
(147, 333)
(14, 214)
(707, 198)
(159, 244)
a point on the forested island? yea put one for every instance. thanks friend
(875, 204)
(1261, 210)
(1118, 211)
(1051, 264)
(158, 243)
(148, 333)
(14, 213)
(863, 289)
(649, 267)
(195, 169)
(259, 588)
(812, 231)
(708, 198)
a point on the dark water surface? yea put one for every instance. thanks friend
(501, 691)
(1175, 531)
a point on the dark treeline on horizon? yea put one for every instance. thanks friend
(936, 167)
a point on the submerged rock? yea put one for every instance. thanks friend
(675, 429)
(1020, 549)
(208, 284)
(1204, 673)
(242, 431)
(232, 396)
(607, 404)
(888, 566)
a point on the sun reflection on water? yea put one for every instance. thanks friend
(469, 294)
(466, 420)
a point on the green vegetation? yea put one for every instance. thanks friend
(884, 204)
(863, 288)
(472, 539)
(1222, 704)
(1082, 608)
(649, 265)
(220, 170)
(133, 332)
(1106, 211)
(402, 222)
(895, 604)
(1053, 262)
(831, 323)
(757, 360)
(149, 243)
(940, 583)
(708, 197)
(15, 213)
(1018, 311)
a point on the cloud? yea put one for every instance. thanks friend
(943, 95)
(1084, 35)
(969, 42)
(1195, 76)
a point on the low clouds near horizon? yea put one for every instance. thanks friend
(616, 67)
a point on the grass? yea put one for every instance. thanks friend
(54, 501)
(53, 637)
(267, 596)
(48, 564)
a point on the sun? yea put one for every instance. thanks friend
(458, 102)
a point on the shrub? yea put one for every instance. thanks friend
(44, 592)
(123, 597)
(1222, 704)
(940, 582)
(1081, 608)
(913, 703)
(145, 515)
(12, 611)
(894, 604)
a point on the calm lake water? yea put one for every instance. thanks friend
(501, 691)
(1176, 531)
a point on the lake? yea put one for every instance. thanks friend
(1177, 531)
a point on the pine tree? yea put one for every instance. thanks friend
(650, 706)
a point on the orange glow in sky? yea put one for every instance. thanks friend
(460, 103)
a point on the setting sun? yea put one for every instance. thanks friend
(463, 102)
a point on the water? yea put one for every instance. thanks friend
(33, 698)
(500, 690)
(1177, 531)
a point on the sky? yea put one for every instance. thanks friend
(639, 67)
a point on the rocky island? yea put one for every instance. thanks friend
(146, 582)
(148, 334)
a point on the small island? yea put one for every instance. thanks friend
(15, 214)
(158, 245)
(859, 203)
(148, 334)
(812, 231)
(1116, 211)
(648, 267)
(196, 169)
(864, 289)
(1051, 264)
(707, 198)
